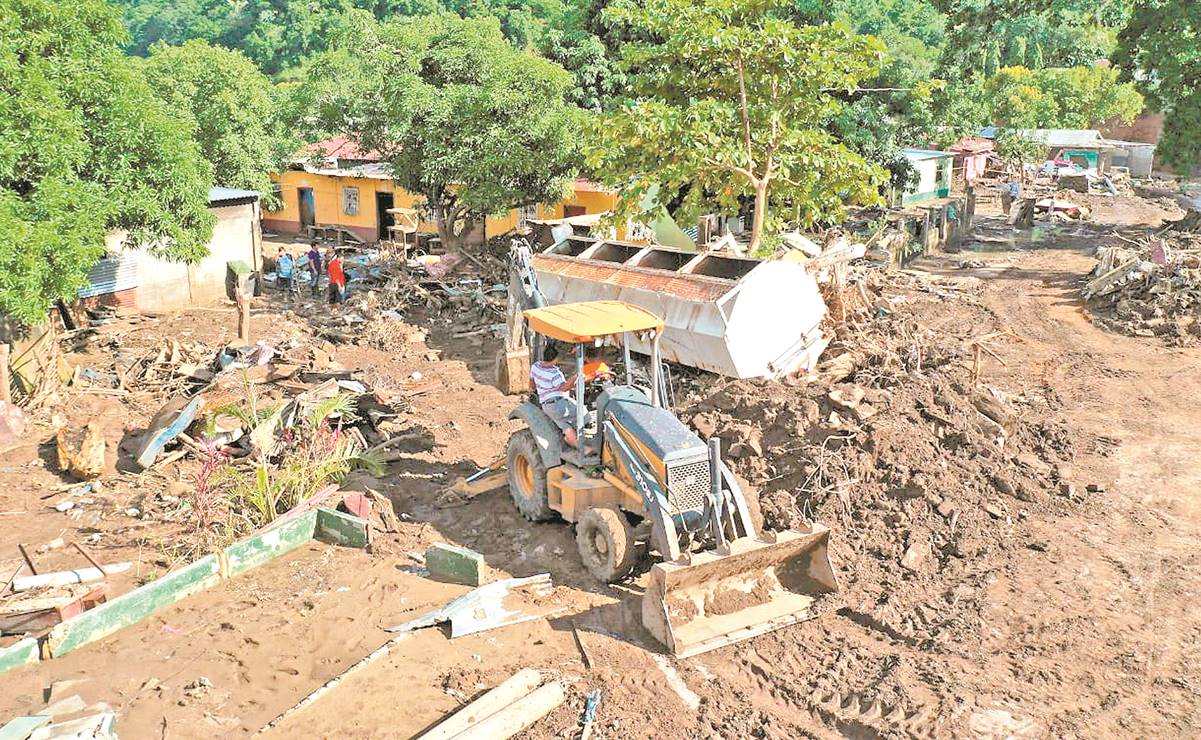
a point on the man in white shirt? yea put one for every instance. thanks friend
(547, 379)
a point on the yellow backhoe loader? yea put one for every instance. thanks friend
(642, 481)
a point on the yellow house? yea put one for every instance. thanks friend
(353, 190)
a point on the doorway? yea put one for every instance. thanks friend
(383, 219)
(308, 210)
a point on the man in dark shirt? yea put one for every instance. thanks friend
(314, 266)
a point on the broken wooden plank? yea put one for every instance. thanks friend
(338, 528)
(520, 715)
(134, 606)
(24, 652)
(39, 613)
(517, 686)
(269, 544)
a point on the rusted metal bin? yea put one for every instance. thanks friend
(740, 317)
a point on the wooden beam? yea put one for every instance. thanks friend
(518, 716)
(517, 686)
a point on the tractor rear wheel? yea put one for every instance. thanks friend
(606, 543)
(527, 477)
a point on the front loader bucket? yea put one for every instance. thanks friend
(759, 585)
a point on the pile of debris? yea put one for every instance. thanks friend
(1149, 289)
(920, 469)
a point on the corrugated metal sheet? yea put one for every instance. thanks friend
(111, 275)
(686, 287)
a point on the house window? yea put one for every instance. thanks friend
(525, 214)
(350, 201)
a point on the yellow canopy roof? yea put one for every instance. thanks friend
(583, 322)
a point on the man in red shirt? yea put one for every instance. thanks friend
(337, 278)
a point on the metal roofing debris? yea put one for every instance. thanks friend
(1054, 137)
(219, 195)
(914, 153)
(374, 170)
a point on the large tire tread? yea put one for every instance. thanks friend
(533, 505)
(623, 553)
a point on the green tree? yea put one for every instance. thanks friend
(597, 78)
(734, 102)
(232, 107)
(85, 148)
(1159, 49)
(474, 125)
(1075, 97)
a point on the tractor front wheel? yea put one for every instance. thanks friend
(527, 477)
(606, 542)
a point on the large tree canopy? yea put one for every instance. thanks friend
(466, 120)
(1075, 97)
(733, 102)
(85, 147)
(231, 106)
(1161, 49)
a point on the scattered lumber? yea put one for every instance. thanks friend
(518, 716)
(518, 685)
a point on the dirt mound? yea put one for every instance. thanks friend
(914, 469)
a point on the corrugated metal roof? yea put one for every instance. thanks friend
(918, 154)
(219, 195)
(687, 287)
(1054, 137)
(374, 171)
(111, 274)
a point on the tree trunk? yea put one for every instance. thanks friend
(444, 218)
(759, 217)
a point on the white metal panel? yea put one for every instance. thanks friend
(771, 328)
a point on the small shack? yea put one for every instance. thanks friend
(934, 175)
(1083, 147)
(136, 279)
(1136, 156)
(971, 157)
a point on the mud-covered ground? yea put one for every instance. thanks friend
(1016, 550)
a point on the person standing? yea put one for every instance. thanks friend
(284, 265)
(314, 267)
(337, 278)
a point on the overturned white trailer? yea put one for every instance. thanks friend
(741, 317)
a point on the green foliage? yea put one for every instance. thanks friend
(733, 103)
(474, 125)
(1160, 50)
(316, 453)
(985, 36)
(275, 34)
(280, 35)
(597, 78)
(1076, 97)
(232, 108)
(85, 147)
